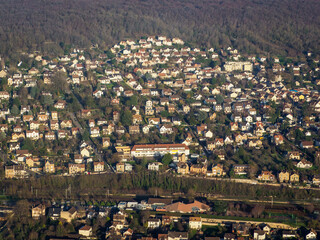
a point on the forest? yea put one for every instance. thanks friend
(287, 27)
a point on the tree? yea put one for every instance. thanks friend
(219, 99)
(34, 92)
(59, 81)
(220, 207)
(85, 135)
(257, 210)
(15, 110)
(133, 100)
(27, 144)
(46, 100)
(126, 118)
(167, 159)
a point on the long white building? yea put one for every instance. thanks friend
(156, 150)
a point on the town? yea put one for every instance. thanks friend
(159, 104)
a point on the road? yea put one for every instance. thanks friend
(77, 123)
(196, 137)
(5, 225)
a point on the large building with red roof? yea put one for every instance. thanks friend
(156, 150)
(196, 206)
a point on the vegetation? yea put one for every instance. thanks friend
(289, 26)
(95, 186)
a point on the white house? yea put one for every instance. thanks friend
(312, 235)
(195, 223)
(154, 223)
(85, 231)
(155, 166)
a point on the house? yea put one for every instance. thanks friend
(54, 213)
(289, 235)
(256, 143)
(119, 221)
(76, 168)
(234, 126)
(166, 129)
(316, 180)
(43, 117)
(85, 152)
(66, 124)
(14, 146)
(54, 115)
(15, 171)
(106, 142)
(27, 118)
(134, 129)
(85, 113)
(153, 223)
(178, 235)
(154, 121)
(208, 134)
(266, 228)
(54, 125)
(75, 131)
(77, 158)
(155, 166)
(136, 119)
(216, 171)
(278, 139)
(4, 95)
(312, 235)
(259, 235)
(34, 125)
(97, 93)
(145, 129)
(120, 167)
(294, 178)
(94, 132)
(229, 236)
(49, 136)
(32, 162)
(241, 229)
(60, 104)
(49, 167)
(33, 134)
(68, 214)
(304, 164)
(62, 134)
(228, 140)
(284, 177)
(186, 109)
(198, 169)
(195, 223)
(241, 169)
(85, 231)
(98, 166)
(219, 142)
(294, 155)
(306, 144)
(38, 211)
(266, 176)
(182, 168)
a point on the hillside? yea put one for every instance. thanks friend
(287, 26)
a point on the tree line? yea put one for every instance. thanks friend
(100, 186)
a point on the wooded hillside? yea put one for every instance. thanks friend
(287, 26)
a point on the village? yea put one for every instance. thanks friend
(159, 105)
